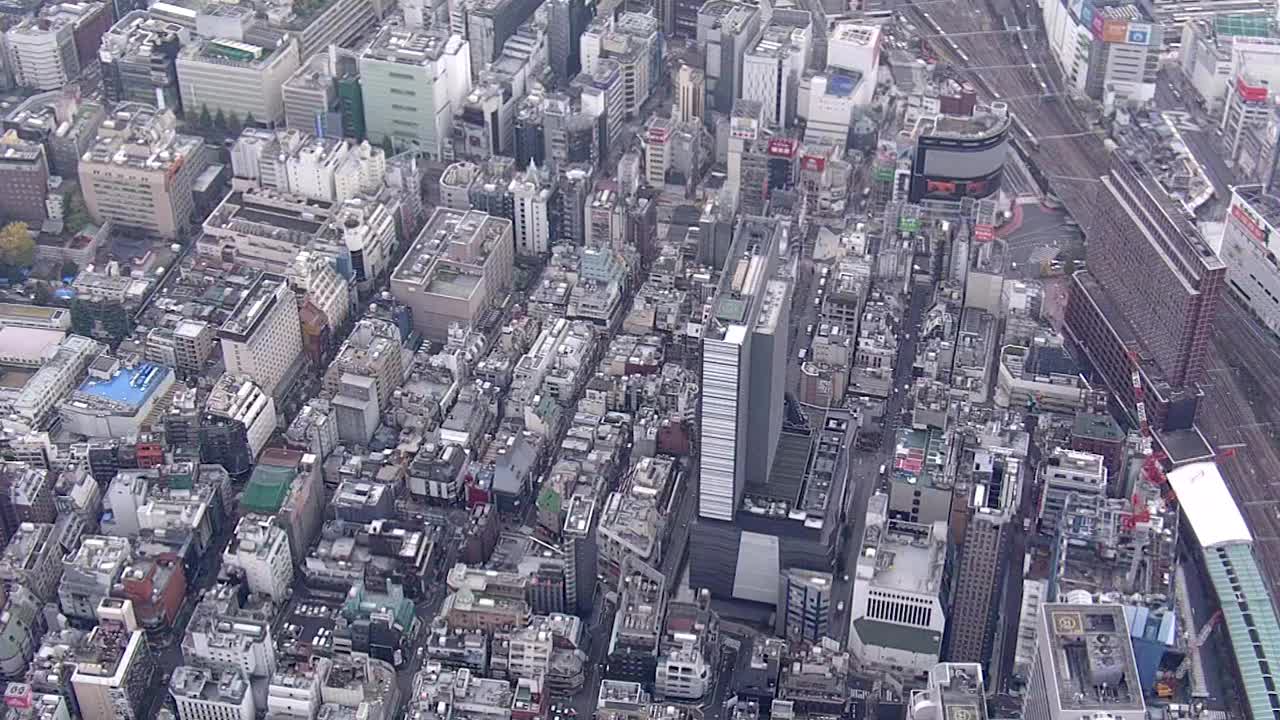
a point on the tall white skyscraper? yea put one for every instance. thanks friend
(744, 367)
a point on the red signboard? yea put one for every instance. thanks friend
(1098, 24)
(940, 186)
(814, 163)
(1250, 93)
(1115, 31)
(1249, 223)
(658, 135)
(984, 233)
(782, 147)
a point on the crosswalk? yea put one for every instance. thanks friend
(1181, 120)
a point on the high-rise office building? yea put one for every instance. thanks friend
(774, 63)
(993, 481)
(1084, 665)
(691, 94)
(744, 358)
(634, 40)
(725, 29)
(1153, 283)
(412, 84)
(567, 19)
(489, 24)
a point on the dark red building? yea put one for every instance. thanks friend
(156, 586)
(1148, 295)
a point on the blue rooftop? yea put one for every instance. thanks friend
(129, 386)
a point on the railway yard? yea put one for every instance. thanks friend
(1003, 51)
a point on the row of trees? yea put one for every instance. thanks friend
(220, 121)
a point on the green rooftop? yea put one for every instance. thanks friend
(1098, 427)
(1251, 624)
(893, 635)
(730, 309)
(1244, 25)
(268, 487)
(550, 501)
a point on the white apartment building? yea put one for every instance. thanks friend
(683, 673)
(42, 54)
(297, 690)
(203, 694)
(896, 614)
(224, 636)
(110, 683)
(367, 233)
(531, 220)
(335, 170)
(691, 94)
(313, 275)
(239, 398)
(262, 339)
(412, 84)
(261, 553)
(530, 652)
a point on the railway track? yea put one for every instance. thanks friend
(1242, 391)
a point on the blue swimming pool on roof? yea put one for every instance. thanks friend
(130, 386)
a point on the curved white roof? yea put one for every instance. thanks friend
(1208, 505)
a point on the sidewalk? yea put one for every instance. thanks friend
(1012, 225)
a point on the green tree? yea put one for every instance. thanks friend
(41, 294)
(206, 119)
(387, 146)
(76, 215)
(250, 120)
(69, 269)
(17, 247)
(233, 124)
(220, 120)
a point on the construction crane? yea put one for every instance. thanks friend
(1195, 644)
(1152, 470)
(1140, 407)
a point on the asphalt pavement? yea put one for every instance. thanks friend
(864, 467)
